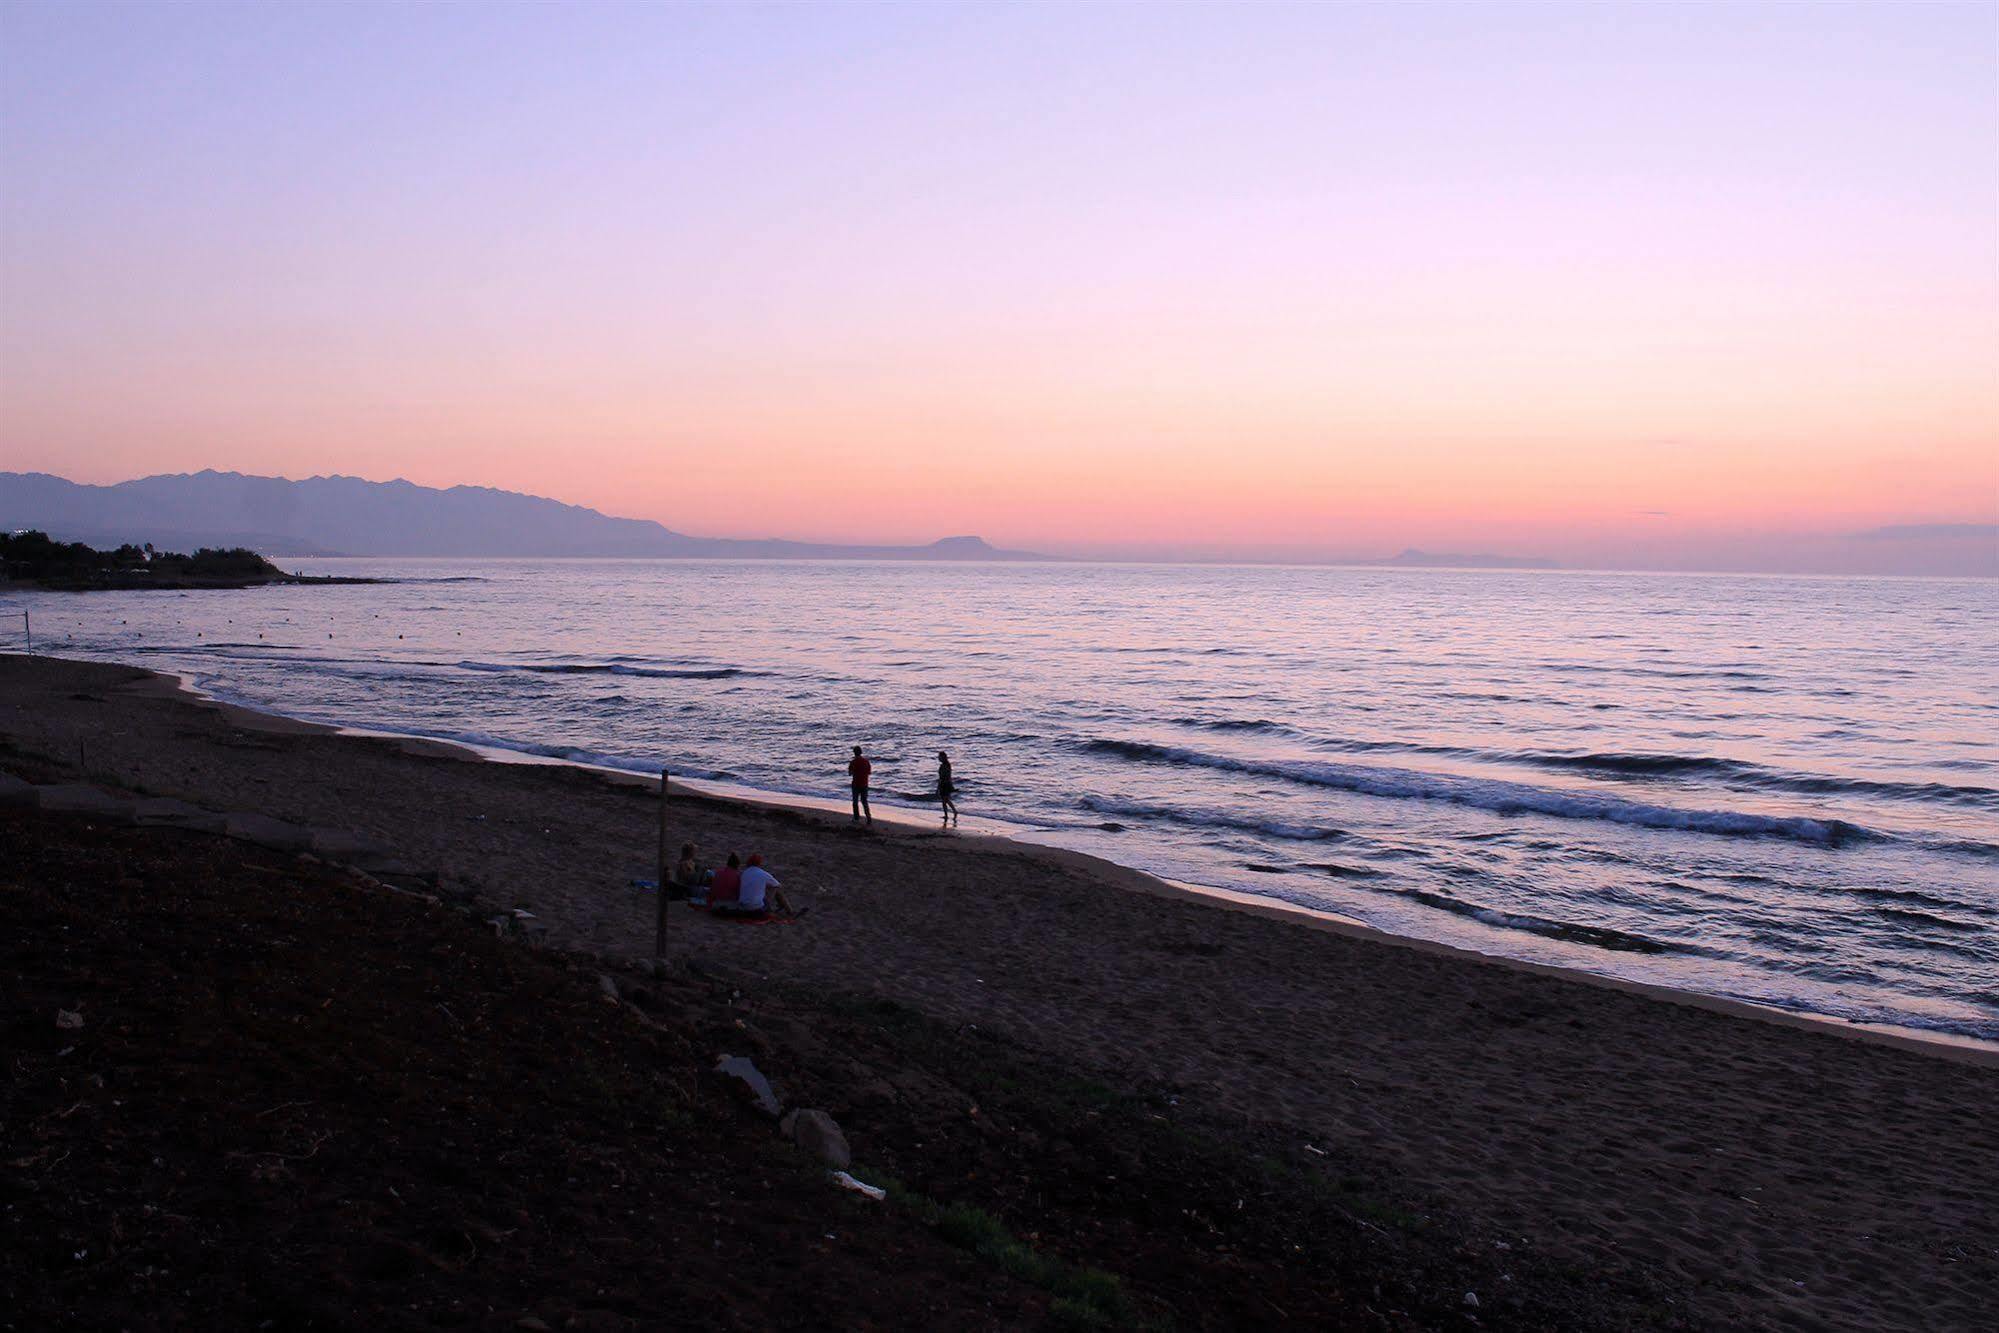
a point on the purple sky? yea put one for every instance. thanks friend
(1655, 285)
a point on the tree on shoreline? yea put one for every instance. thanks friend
(34, 556)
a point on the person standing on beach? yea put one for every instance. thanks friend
(858, 769)
(945, 788)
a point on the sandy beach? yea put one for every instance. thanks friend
(1772, 1172)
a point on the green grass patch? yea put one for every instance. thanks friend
(1084, 1297)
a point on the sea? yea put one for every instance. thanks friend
(1783, 790)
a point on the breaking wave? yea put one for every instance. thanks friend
(1638, 764)
(612, 669)
(1500, 797)
(1601, 937)
(1104, 805)
(1743, 773)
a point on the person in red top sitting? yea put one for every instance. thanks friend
(859, 769)
(727, 886)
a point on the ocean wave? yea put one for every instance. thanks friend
(1104, 805)
(1601, 937)
(1637, 764)
(275, 652)
(1504, 798)
(1983, 851)
(1918, 896)
(206, 647)
(1640, 764)
(1339, 871)
(1916, 918)
(571, 754)
(1724, 671)
(1743, 773)
(1336, 744)
(1179, 650)
(612, 669)
(216, 645)
(1233, 724)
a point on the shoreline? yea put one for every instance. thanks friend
(1111, 873)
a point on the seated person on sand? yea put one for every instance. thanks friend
(688, 876)
(725, 884)
(759, 893)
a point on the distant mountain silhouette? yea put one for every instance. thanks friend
(1415, 559)
(350, 516)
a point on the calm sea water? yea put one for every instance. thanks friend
(1784, 790)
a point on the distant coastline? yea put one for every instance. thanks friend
(326, 517)
(349, 516)
(32, 559)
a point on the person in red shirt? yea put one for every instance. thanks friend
(859, 769)
(727, 886)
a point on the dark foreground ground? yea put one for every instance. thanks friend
(298, 1101)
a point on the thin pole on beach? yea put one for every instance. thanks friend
(659, 927)
(28, 628)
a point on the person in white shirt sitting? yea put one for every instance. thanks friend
(760, 894)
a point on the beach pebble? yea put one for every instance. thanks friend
(1471, 1299)
(68, 1019)
(819, 1134)
(738, 1067)
(847, 1182)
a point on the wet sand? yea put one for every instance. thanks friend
(1777, 1172)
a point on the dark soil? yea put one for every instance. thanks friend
(299, 1102)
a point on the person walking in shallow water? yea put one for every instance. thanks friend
(945, 788)
(858, 770)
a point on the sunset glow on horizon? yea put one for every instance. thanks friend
(1658, 286)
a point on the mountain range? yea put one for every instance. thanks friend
(322, 516)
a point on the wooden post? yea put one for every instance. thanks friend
(659, 929)
(28, 627)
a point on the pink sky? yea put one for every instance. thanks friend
(1605, 284)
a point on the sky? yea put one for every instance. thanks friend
(1679, 285)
